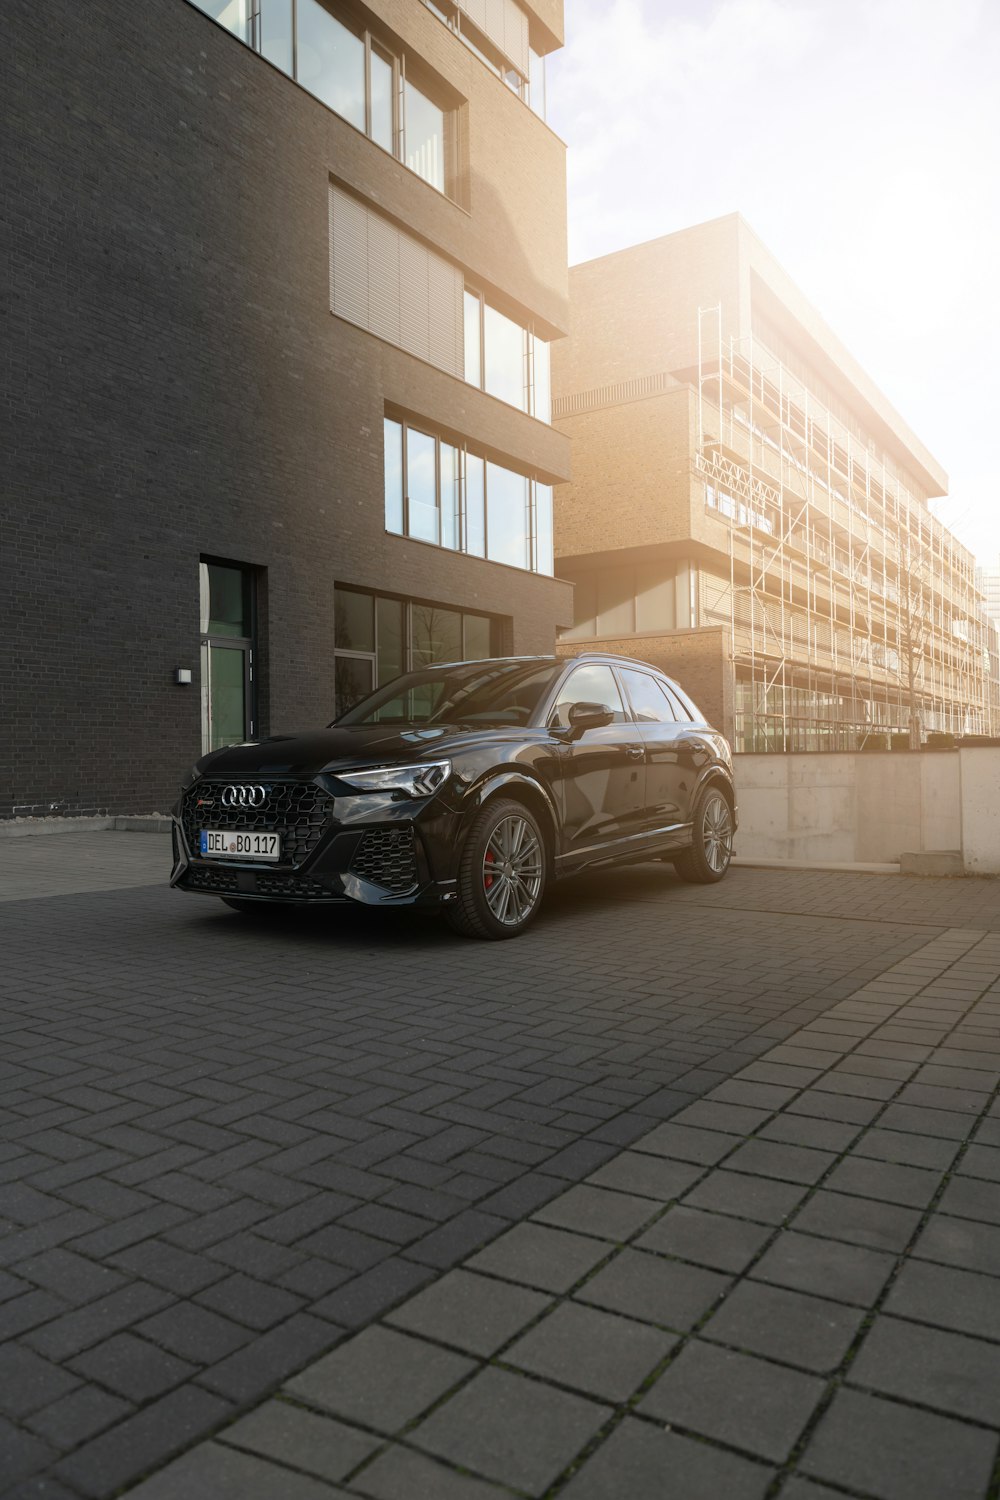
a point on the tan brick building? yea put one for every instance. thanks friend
(747, 509)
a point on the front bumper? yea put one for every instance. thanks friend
(371, 849)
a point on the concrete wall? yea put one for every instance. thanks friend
(871, 809)
(981, 810)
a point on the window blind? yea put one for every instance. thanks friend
(386, 282)
(506, 25)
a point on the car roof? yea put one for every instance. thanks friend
(580, 656)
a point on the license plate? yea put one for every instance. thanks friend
(221, 843)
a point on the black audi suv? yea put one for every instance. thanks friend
(467, 787)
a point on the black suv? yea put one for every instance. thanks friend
(468, 787)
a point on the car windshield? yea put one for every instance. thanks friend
(482, 692)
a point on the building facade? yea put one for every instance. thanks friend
(988, 584)
(286, 277)
(749, 512)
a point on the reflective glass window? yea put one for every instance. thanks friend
(473, 340)
(504, 357)
(424, 137)
(234, 15)
(450, 494)
(331, 62)
(648, 699)
(352, 679)
(389, 638)
(544, 561)
(276, 33)
(224, 685)
(393, 476)
(354, 621)
(225, 600)
(475, 505)
(381, 101)
(506, 516)
(683, 707)
(591, 683)
(436, 634)
(542, 407)
(421, 485)
(478, 637)
(536, 82)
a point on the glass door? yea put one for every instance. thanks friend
(228, 711)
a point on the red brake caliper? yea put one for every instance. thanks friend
(490, 859)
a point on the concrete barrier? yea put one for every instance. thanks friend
(821, 808)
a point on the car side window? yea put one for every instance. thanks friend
(682, 705)
(650, 702)
(591, 683)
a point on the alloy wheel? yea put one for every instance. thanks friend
(512, 870)
(717, 827)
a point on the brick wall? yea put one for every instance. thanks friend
(632, 480)
(174, 384)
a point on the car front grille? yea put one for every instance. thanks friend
(296, 810)
(386, 857)
(273, 886)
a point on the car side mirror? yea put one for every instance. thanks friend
(584, 716)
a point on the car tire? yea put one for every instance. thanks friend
(711, 849)
(502, 903)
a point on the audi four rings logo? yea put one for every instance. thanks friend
(244, 796)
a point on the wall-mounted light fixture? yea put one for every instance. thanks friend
(183, 675)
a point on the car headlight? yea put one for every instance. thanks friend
(416, 781)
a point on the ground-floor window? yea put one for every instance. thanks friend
(228, 650)
(377, 636)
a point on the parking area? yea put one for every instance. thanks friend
(412, 1183)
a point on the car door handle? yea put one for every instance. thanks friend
(634, 752)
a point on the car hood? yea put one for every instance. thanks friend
(305, 755)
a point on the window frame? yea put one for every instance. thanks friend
(407, 664)
(529, 338)
(555, 695)
(626, 674)
(461, 531)
(521, 85)
(251, 37)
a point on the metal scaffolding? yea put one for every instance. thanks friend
(853, 611)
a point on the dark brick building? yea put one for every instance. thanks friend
(260, 259)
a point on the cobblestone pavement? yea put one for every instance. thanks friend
(227, 1149)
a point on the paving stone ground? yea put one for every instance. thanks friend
(384, 1213)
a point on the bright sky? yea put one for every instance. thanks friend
(860, 138)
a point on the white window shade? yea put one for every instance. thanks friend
(388, 283)
(506, 25)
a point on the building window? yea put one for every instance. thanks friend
(505, 359)
(379, 636)
(386, 282)
(499, 35)
(228, 647)
(423, 136)
(437, 492)
(349, 70)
